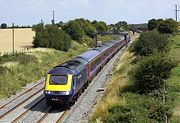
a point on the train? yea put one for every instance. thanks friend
(65, 82)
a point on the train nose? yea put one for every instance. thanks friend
(58, 83)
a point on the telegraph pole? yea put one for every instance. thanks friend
(176, 12)
(53, 21)
(13, 37)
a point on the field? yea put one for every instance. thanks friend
(23, 39)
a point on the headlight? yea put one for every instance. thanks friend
(67, 92)
(47, 92)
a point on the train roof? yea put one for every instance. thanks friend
(101, 48)
(70, 67)
(89, 55)
(60, 70)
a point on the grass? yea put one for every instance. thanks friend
(174, 80)
(19, 69)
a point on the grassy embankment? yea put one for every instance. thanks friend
(120, 103)
(22, 68)
(174, 80)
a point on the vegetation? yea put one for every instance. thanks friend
(74, 30)
(154, 24)
(3, 25)
(150, 73)
(121, 103)
(134, 27)
(50, 36)
(59, 35)
(168, 26)
(143, 89)
(21, 68)
(101, 27)
(151, 43)
(122, 25)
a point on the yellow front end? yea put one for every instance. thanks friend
(58, 87)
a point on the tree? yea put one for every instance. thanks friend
(50, 36)
(101, 27)
(86, 25)
(169, 26)
(94, 22)
(90, 31)
(74, 29)
(152, 24)
(149, 74)
(3, 25)
(151, 43)
(121, 26)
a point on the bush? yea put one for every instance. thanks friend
(157, 111)
(51, 36)
(119, 114)
(168, 26)
(74, 29)
(149, 73)
(3, 25)
(151, 43)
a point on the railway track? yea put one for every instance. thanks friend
(51, 117)
(27, 111)
(21, 95)
(19, 101)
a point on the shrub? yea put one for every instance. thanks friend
(151, 43)
(119, 114)
(149, 73)
(74, 29)
(3, 25)
(51, 36)
(168, 26)
(157, 111)
(152, 24)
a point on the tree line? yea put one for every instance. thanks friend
(167, 26)
(60, 35)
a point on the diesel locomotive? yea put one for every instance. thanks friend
(66, 81)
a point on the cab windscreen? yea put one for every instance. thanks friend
(58, 79)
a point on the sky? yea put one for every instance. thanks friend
(29, 12)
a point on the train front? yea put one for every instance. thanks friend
(59, 86)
